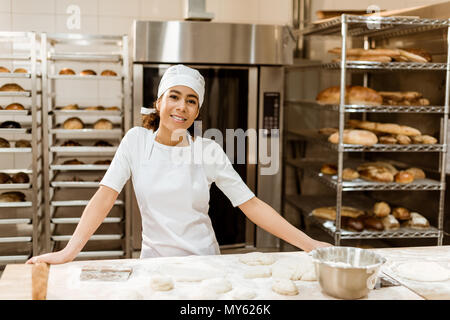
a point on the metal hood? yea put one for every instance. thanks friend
(201, 42)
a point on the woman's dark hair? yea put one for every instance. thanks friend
(151, 121)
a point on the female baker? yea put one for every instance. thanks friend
(173, 195)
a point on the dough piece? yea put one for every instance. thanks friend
(293, 268)
(285, 287)
(257, 258)
(243, 294)
(217, 286)
(349, 174)
(161, 283)
(381, 209)
(328, 169)
(423, 271)
(401, 213)
(66, 71)
(258, 272)
(73, 124)
(330, 212)
(404, 177)
(360, 137)
(417, 173)
(310, 275)
(390, 222)
(417, 221)
(103, 124)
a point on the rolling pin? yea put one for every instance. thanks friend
(39, 278)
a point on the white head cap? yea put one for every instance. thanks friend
(180, 75)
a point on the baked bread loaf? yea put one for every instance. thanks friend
(70, 107)
(360, 137)
(71, 143)
(349, 174)
(390, 222)
(88, 72)
(365, 57)
(11, 87)
(20, 177)
(424, 139)
(94, 108)
(10, 125)
(372, 223)
(417, 173)
(387, 140)
(404, 177)
(113, 108)
(102, 143)
(4, 178)
(417, 221)
(103, 124)
(328, 169)
(67, 71)
(391, 128)
(330, 212)
(73, 124)
(415, 55)
(382, 164)
(12, 196)
(4, 143)
(4, 70)
(20, 70)
(402, 139)
(381, 209)
(401, 213)
(376, 174)
(102, 162)
(23, 144)
(14, 106)
(109, 73)
(353, 95)
(352, 224)
(73, 161)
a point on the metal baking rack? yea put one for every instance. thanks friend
(70, 48)
(24, 217)
(370, 28)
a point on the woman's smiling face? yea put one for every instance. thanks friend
(178, 108)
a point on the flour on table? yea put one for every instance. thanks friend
(258, 272)
(243, 294)
(285, 287)
(217, 286)
(126, 294)
(161, 283)
(257, 258)
(294, 269)
(423, 271)
(192, 272)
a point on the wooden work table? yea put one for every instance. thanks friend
(64, 280)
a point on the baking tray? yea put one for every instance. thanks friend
(15, 93)
(22, 204)
(15, 131)
(78, 77)
(15, 221)
(15, 150)
(14, 112)
(11, 186)
(13, 75)
(87, 112)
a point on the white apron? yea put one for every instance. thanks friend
(173, 199)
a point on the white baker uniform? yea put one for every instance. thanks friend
(173, 196)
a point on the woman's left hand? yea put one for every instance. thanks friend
(318, 244)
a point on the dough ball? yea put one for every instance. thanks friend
(243, 294)
(161, 283)
(217, 286)
(257, 258)
(423, 271)
(294, 269)
(285, 287)
(258, 272)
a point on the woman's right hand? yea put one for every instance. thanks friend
(58, 257)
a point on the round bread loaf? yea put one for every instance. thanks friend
(11, 87)
(102, 162)
(20, 177)
(381, 209)
(102, 143)
(114, 108)
(4, 178)
(73, 161)
(13, 196)
(382, 164)
(88, 72)
(387, 140)
(73, 124)
(103, 124)
(372, 223)
(71, 143)
(403, 139)
(401, 213)
(360, 137)
(4, 143)
(404, 177)
(23, 144)
(10, 125)
(4, 70)
(67, 71)
(376, 174)
(108, 73)
(70, 107)
(352, 224)
(417, 173)
(349, 174)
(20, 70)
(354, 95)
(328, 169)
(14, 106)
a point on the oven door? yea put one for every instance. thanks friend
(231, 95)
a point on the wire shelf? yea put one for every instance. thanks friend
(387, 66)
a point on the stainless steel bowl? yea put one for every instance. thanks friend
(345, 272)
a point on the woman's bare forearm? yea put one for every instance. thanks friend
(268, 219)
(93, 215)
